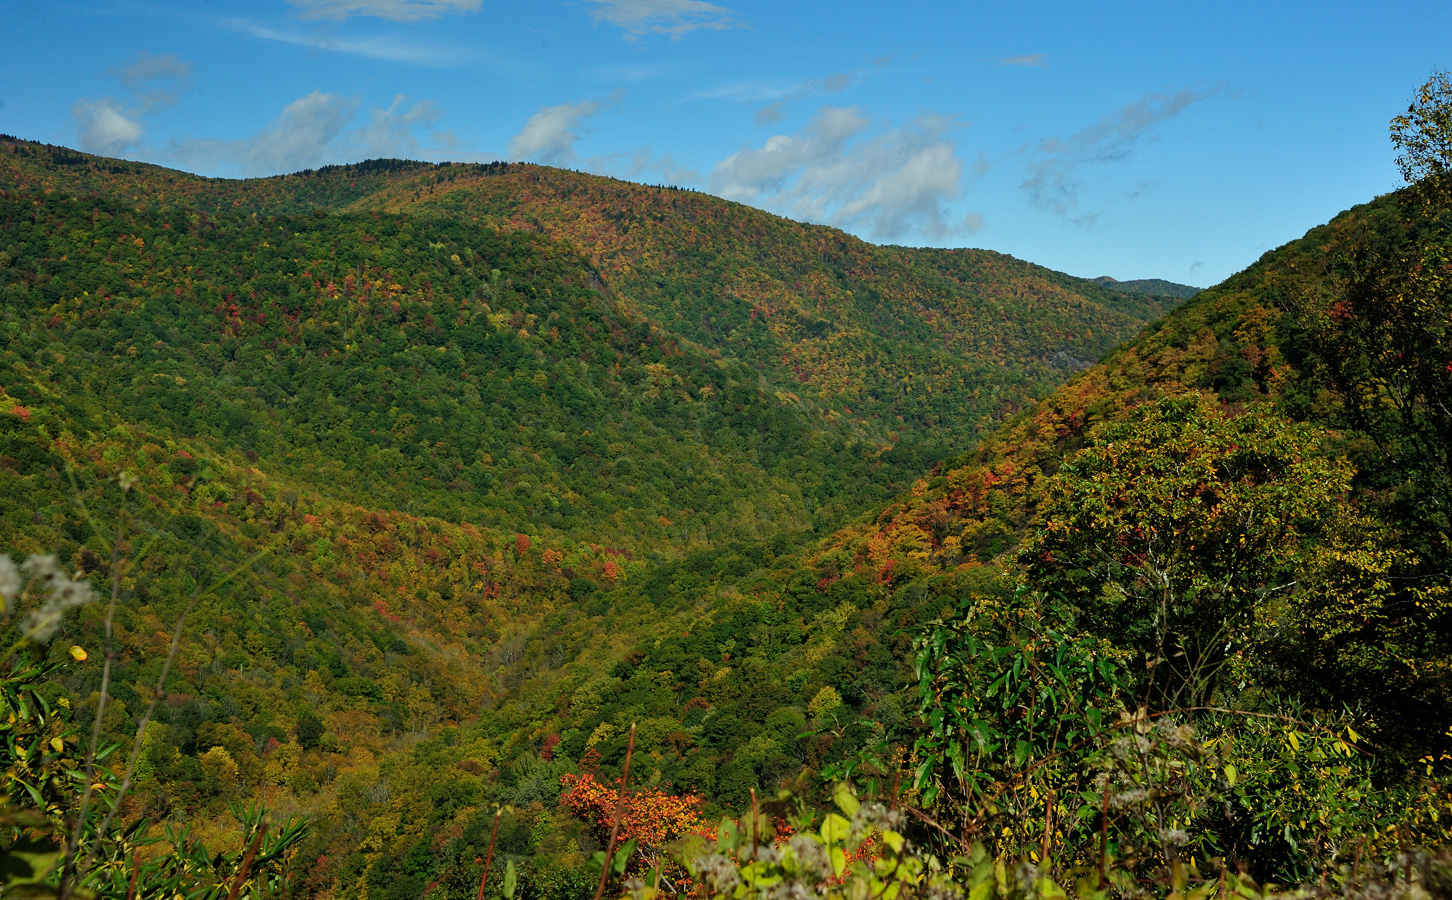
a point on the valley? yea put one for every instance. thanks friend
(509, 469)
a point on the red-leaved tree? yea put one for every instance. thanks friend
(650, 816)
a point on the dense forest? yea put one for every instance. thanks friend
(1153, 286)
(423, 502)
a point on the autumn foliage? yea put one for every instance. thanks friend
(649, 816)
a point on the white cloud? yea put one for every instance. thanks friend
(673, 17)
(392, 10)
(105, 129)
(156, 81)
(299, 138)
(389, 132)
(747, 91)
(895, 184)
(1054, 183)
(389, 49)
(778, 94)
(550, 134)
(113, 127)
(1032, 60)
(643, 161)
(314, 131)
(641, 165)
(835, 83)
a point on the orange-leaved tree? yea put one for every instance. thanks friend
(649, 816)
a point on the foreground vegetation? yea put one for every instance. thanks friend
(1183, 628)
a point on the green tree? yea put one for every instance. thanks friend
(1423, 135)
(1011, 703)
(1169, 530)
(310, 730)
(1371, 340)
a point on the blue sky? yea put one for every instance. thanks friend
(1137, 140)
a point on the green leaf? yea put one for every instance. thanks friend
(893, 840)
(1021, 752)
(728, 836)
(845, 800)
(835, 829)
(955, 756)
(27, 861)
(35, 794)
(622, 856)
(510, 879)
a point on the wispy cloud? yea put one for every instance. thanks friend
(676, 18)
(114, 126)
(1054, 183)
(835, 83)
(748, 91)
(634, 72)
(391, 131)
(550, 134)
(301, 137)
(390, 49)
(155, 81)
(104, 127)
(315, 130)
(1142, 187)
(642, 165)
(392, 10)
(1032, 60)
(778, 94)
(892, 185)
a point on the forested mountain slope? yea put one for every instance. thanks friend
(534, 456)
(764, 663)
(1370, 625)
(908, 341)
(756, 664)
(1153, 286)
(449, 439)
(935, 339)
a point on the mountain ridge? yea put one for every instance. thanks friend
(518, 491)
(1153, 286)
(917, 323)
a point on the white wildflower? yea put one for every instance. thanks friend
(41, 568)
(790, 890)
(871, 818)
(940, 890)
(1124, 799)
(719, 872)
(768, 854)
(811, 856)
(9, 582)
(65, 594)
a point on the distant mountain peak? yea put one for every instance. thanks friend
(1155, 286)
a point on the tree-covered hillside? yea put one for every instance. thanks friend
(450, 439)
(912, 342)
(1153, 286)
(518, 474)
(907, 339)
